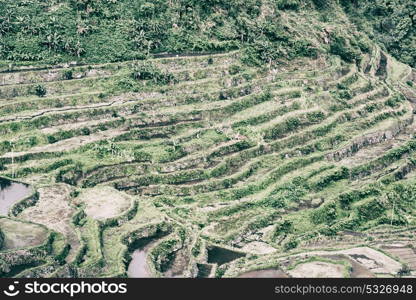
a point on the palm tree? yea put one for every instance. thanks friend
(53, 40)
(6, 24)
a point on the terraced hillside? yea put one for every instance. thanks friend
(205, 167)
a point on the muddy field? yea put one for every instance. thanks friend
(18, 235)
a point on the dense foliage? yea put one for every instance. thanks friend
(116, 30)
(392, 23)
(109, 30)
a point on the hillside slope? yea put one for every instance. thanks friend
(292, 148)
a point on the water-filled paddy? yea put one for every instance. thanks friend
(10, 193)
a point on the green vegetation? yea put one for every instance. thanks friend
(108, 31)
(391, 23)
(40, 90)
(263, 129)
(146, 71)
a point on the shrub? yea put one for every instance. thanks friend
(40, 90)
(148, 71)
(32, 141)
(294, 94)
(346, 199)
(364, 45)
(393, 101)
(234, 69)
(269, 50)
(259, 53)
(345, 94)
(315, 117)
(292, 123)
(126, 84)
(141, 156)
(274, 201)
(291, 244)
(321, 4)
(324, 181)
(288, 4)
(67, 74)
(85, 131)
(339, 46)
(304, 48)
(283, 227)
(370, 210)
(51, 139)
(404, 271)
(325, 214)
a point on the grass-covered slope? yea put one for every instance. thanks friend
(300, 142)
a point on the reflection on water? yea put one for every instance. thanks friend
(10, 193)
(138, 266)
(221, 255)
(4, 183)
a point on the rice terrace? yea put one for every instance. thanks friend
(260, 138)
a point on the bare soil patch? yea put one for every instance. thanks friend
(104, 202)
(317, 269)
